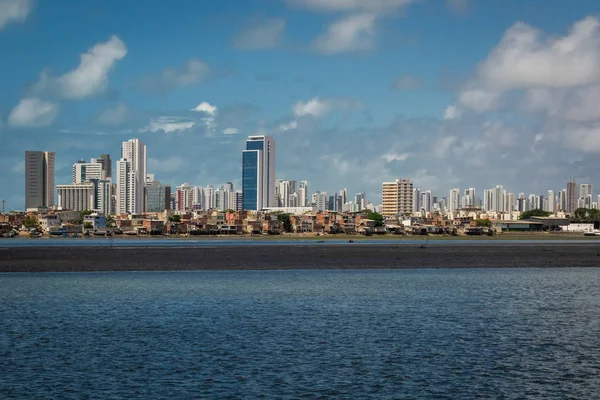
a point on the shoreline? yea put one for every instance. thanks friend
(301, 256)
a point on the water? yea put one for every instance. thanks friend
(220, 242)
(426, 334)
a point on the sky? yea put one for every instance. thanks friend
(448, 93)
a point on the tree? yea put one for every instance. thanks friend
(534, 213)
(30, 222)
(230, 210)
(484, 223)
(586, 215)
(88, 225)
(83, 213)
(287, 223)
(175, 218)
(375, 216)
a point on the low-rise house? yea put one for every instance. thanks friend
(154, 226)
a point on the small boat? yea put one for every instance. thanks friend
(594, 232)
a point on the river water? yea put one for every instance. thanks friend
(409, 334)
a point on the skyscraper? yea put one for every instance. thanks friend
(454, 200)
(572, 197)
(39, 179)
(397, 197)
(106, 163)
(302, 193)
(258, 173)
(551, 202)
(131, 177)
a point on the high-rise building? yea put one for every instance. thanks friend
(397, 197)
(360, 200)
(131, 177)
(258, 173)
(426, 201)
(104, 196)
(551, 203)
(510, 202)
(106, 163)
(184, 197)
(302, 192)
(416, 200)
(158, 197)
(454, 200)
(39, 179)
(585, 196)
(499, 199)
(572, 197)
(85, 172)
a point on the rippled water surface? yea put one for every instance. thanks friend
(426, 334)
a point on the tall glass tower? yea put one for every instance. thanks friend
(258, 173)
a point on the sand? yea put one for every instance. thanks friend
(301, 256)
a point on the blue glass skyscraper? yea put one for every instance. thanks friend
(258, 173)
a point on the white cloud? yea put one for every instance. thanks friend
(171, 164)
(315, 107)
(391, 156)
(168, 125)
(194, 71)
(452, 112)
(349, 34)
(231, 131)
(18, 167)
(33, 112)
(206, 107)
(526, 59)
(350, 5)
(479, 100)
(262, 35)
(12, 11)
(90, 77)
(114, 116)
(290, 126)
(407, 82)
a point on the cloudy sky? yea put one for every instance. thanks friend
(449, 93)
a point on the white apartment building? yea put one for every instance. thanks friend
(84, 172)
(131, 178)
(76, 197)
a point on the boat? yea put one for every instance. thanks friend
(594, 232)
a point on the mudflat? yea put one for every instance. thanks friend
(300, 256)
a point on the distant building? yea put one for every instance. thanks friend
(76, 196)
(85, 172)
(131, 178)
(39, 179)
(397, 197)
(572, 197)
(258, 173)
(158, 197)
(106, 163)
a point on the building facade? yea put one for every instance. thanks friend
(397, 197)
(39, 179)
(258, 173)
(76, 197)
(131, 178)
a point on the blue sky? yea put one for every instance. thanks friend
(449, 93)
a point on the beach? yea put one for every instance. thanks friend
(298, 256)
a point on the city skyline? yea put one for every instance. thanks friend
(421, 90)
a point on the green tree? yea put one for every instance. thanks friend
(230, 210)
(485, 223)
(534, 213)
(175, 218)
(30, 222)
(586, 215)
(88, 225)
(286, 220)
(375, 216)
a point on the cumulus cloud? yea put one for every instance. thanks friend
(14, 11)
(314, 107)
(231, 131)
(350, 5)
(206, 107)
(407, 82)
(90, 78)
(349, 34)
(261, 35)
(452, 112)
(192, 72)
(168, 125)
(479, 100)
(290, 126)
(114, 116)
(33, 113)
